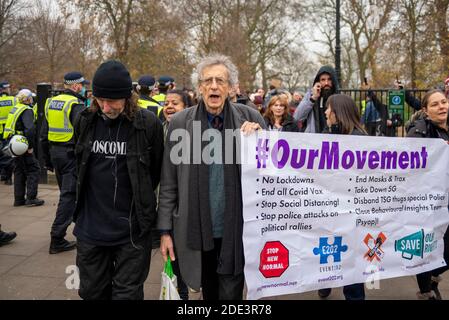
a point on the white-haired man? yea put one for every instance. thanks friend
(200, 205)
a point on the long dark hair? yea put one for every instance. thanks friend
(346, 113)
(183, 95)
(131, 106)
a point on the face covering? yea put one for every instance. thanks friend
(83, 91)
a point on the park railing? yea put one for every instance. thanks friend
(359, 96)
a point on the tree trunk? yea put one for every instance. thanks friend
(413, 59)
(441, 8)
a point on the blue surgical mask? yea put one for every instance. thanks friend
(83, 91)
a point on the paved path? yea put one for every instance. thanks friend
(27, 271)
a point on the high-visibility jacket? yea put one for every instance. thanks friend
(35, 111)
(150, 105)
(363, 106)
(13, 116)
(160, 98)
(57, 113)
(6, 104)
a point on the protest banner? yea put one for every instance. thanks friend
(323, 211)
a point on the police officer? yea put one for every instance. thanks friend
(165, 83)
(7, 102)
(26, 172)
(144, 87)
(58, 150)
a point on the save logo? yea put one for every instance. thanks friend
(325, 250)
(416, 244)
(374, 244)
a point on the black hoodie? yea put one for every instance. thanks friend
(319, 106)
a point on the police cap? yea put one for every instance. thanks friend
(74, 77)
(165, 81)
(4, 84)
(146, 81)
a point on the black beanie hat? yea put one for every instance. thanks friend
(112, 81)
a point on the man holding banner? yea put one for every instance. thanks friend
(200, 200)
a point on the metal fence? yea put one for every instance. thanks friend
(382, 94)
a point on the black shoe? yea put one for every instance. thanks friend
(19, 203)
(8, 182)
(61, 245)
(426, 295)
(434, 287)
(34, 202)
(6, 237)
(324, 293)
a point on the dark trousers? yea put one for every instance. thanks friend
(354, 291)
(425, 279)
(373, 128)
(216, 286)
(63, 160)
(26, 177)
(6, 163)
(115, 272)
(183, 290)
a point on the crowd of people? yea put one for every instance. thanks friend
(111, 154)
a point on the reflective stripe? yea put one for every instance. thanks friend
(145, 104)
(160, 98)
(50, 129)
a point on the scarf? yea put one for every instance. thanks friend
(200, 236)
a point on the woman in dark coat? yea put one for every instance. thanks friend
(277, 117)
(343, 117)
(432, 123)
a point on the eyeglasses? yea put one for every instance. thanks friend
(209, 81)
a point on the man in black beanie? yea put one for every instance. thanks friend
(119, 150)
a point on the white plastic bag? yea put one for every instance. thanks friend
(169, 283)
